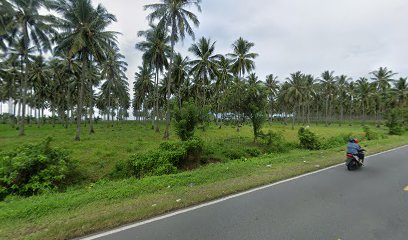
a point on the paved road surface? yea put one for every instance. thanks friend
(333, 204)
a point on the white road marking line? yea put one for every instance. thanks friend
(120, 229)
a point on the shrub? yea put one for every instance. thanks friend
(164, 160)
(185, 120)
(394, 123)
(233, 154)
(33, 169)
(253, 152)
(274, 141)
(308, 139)
(369, 134)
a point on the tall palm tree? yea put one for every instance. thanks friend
(223, 80)
(272, 88)
(173, 15)
(39, 77)
(329, 87)
(363, 91)
(382, 79)
(180, 74)
(295, 93)
(204, 68)
(309, 94)
(30, 28)
(143, 87)
(243, 59)
(155, 53)
(400, 91)
(113, 72)
(342, 83)
(84, 37)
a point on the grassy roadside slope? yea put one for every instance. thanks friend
(108, 204)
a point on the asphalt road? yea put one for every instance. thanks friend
(369, 203)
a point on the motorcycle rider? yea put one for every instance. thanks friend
(355, 149)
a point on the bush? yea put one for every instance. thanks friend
(165, 160)
(394, 123)
(369, 134)
(253, 152)
(274, 141)
(308, 139)
(233, 154)
(185, 120)
(33, 169)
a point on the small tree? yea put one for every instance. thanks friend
(186, 119)
(394, 122)
(308, 139)
(255, 101)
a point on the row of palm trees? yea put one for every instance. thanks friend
(210, 79)
(84, 57)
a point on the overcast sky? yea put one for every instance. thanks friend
(352, 37)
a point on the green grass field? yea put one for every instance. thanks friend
(104, 204)
(98, 153)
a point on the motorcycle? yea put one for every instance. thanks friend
(353, 162)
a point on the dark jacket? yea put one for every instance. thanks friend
(353, 148)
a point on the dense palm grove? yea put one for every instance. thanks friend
(71, 65)
(68, 64)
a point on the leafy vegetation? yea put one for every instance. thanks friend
(33, 169)
(186, 120)
(165, 160)
(308, 139)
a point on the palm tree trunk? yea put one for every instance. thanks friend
(173, 38)
(293, 117)
(327, 110)
(53, 117)
(24, 95)
(157, 101)
(42, 116)
(80, 100)
(91, 130)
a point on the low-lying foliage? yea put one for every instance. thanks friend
(370, 134)
(186, 120)
(308, 140)
(274, 141)
(336, 141)
(33, 169)
(394, 122)
(167, 159)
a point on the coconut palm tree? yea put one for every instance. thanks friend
(223, 80)
(143, 87)
(29, 28)
(329, 87)
(173, 14)
(39, 77)
(363, 93)
(204, 68)
(400, 91)
(113, 72)
(295, 93)
(243, 59)
(180, 74)
(342, 83)
(84, 37)
(382, 79)
(155, 53)
(272, 88)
